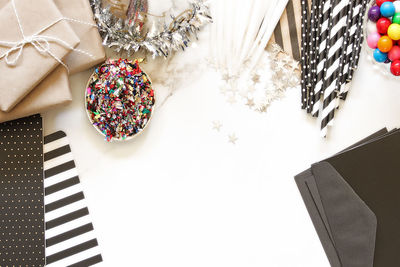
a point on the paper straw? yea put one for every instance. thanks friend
(271, 20)
(359, 39)
(304, 53)
(355, 7)
(337, 23)
(313, 22)
(324, 38)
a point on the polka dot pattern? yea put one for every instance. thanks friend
(21, 193)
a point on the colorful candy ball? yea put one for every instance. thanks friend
(396, 18)
(397, 6)
(383, 33)
(385, 44)
(395, 67)
(380, 2)
(394, 31)
(387, 9)
(373, 39)
(380, 56)
(394, 53)
(382, 25)
(374, 13)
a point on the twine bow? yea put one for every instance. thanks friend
(40, 42)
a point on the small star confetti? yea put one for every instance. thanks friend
(286, 58)
(250, 102)
(217, 125)
(226, 77)
(232, 138)
(275, 72)
(294, 65)
(256, 78)
(280, 65)
(262, 109)
(279, 85)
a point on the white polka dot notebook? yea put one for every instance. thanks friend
(70, 238)
(44, 219)
(21, 193)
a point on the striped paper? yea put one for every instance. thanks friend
(70, 238)
(287, 33)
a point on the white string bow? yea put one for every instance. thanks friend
(38, 41)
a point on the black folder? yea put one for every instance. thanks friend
(353, 200)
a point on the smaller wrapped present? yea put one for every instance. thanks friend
(52, 91)
(34, 39)
(80, 16)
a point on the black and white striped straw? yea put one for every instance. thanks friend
(320, 71)
(332, 64)
(352, 36)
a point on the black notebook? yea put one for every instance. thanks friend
(22, 240)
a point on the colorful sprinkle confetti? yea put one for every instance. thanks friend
(119, 99)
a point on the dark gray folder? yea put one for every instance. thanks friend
(351, 201)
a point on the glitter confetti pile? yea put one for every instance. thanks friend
(119, 99)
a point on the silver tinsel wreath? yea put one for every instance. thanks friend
(125, 35)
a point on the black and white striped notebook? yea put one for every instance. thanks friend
(70, 238)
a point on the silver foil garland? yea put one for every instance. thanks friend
(159, 39)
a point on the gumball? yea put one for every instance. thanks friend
(396, 18)
(395, 68)
(397, 6)
(394, 32)
(380, 2)
(374, 13)
(387, 9)
(385, 44)
(380, 56)
(372, 40)
(394, 53)
(382, 25)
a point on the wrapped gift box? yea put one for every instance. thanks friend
(51, 92)
(32, 66)
(90, 40)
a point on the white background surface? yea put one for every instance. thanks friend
(180, 195)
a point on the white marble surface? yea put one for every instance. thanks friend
(181, 195)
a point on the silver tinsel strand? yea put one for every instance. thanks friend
(125, 36)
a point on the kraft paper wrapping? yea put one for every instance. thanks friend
(90, 40)
(51, 92)
(32, 66)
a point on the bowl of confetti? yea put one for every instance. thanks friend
(119, 99)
